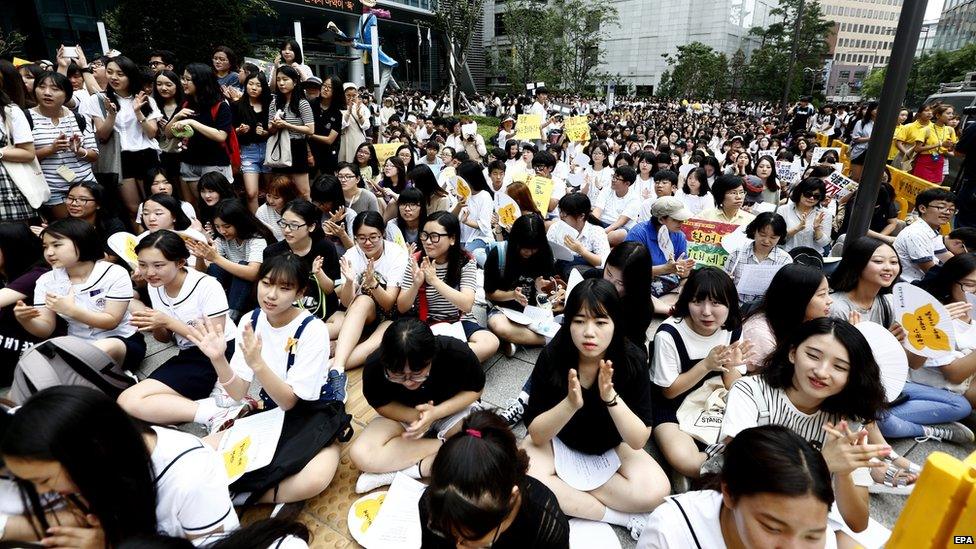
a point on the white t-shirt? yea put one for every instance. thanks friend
(107, 282)
(18, 123)
(200, 296)
(666, 365)
(308, 373)
(592, 237)
(667, 528)
(247, 251)
(480, 208)
(389, 266)
(191, 486)
(599, 180)
(131, 135)
(184, 205)
(613, 206)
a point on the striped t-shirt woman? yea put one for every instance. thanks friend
(439, 308)
(45, 132)
(304, 118)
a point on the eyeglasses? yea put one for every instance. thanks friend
(78, 200)
(290, 226)
(947, 209)
(372, 239)
(407, 377)
(968, 287)
(433, 237)
(155, 63)
(345, 176)
(410, 206)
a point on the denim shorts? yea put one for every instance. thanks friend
(252, 158)
(193, 172)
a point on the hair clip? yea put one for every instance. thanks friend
(473, 432)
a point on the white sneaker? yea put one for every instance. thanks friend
(367, 482)
(221, 398)
(225, 417)
(948, 432)
(636, 525)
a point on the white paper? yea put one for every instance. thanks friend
(587, 534)
(264, 429)
(469, 129)
(575, 179)
(574, 278)
(755, 279)
(537, 319)
(584, 471)
(452, 329)
(515, 316)
(398, 522)
(560, 252)
(664, 242)
(891, 359)
(818, 153)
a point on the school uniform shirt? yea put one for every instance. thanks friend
(191, 486)
(242, 251)
(592, 237)
(806, 236)
(127, 126)
(184, 205)
(312, 301)
(107, 282)
(591, 430)
(389, 267)
(454, 369)
(666, 365)
(645, 233)
(881, 311)
(612, 206)
(46, 132)
(439, 308)
(200, 296)
(691, 520)
(746, 255)
(915, 244)
(308, 373)
(480, 209)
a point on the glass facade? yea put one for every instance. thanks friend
(957, 26)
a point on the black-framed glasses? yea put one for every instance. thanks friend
(345, 176)
(948, 209)
(372, 239)
(433, 237)
(406, 377)
(290, 226)
(78, 200)
(813, 195)
(968, 287)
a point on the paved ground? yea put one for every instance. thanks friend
(326, 514)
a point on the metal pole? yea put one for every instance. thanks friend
(374, 40)
(892, 94)
(789, 71)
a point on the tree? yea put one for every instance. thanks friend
(458, 21)
(928, 71)
(697, 71)
(533, 33)
(585, 26)
(137, 27)
(11, 42)
(766, 72)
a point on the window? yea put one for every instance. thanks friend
(844, 75)
(858, 75)
(500, 25)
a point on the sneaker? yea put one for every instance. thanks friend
(225, 417)
(367, 482)
(514, 412)
(221, 398)
(335, 386)
(507, 349)
(636, 525)
(949, 432)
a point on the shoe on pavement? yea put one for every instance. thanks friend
(636, 525)
(949, 432)
(225, 417)
(335, 386)
(514, 412)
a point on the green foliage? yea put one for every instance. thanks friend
(487, 127)
(697, 71)
(928, 71)
(11, 43)
(456, 22)
(190, 29)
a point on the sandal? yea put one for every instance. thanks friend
(897, 481)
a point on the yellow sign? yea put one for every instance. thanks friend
(235, 458)
(541, 189)
(385, 150)
(463, 190)
(367, 509)
(923, 331)
(528, 127)
(578, 129)
(507, 215)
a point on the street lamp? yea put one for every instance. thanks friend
(813, 77)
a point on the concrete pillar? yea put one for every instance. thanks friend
(357, 73)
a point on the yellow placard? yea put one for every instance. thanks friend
(541, 189)
(463, 190)
(507, 215)
(235, 458)
(367, 509)
(923, 331)
(528, 127)
(385, 150)
(578, 129)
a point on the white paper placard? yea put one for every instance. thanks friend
(252, 440)
(755, 279)
(450, 329)
(398, 522)
(583, 471)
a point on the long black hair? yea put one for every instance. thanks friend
(528, 232)
(423, 178)
(246, 225)
(457, 258)
(634, 262)
(598, 298)
(20, 250)
(412, 195)
(785, 302)
(297, 93)
(856, 256)
(243, 107)
(177, 84)
(170, 244)
(863, 396)
(338, 101)
(206, 91)
(472, 477)
(773, 459)
(263, 533)
(296, 48)
(309, 213)
(474, 175)
(216, 182)
(100, 448)
(401, 169)
(941, 283)
(132, 72)
(180, 220)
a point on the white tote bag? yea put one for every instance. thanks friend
(27, 176)
(277, 153)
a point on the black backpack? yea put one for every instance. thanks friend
(79, 119)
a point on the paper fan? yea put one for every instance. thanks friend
(124, 246)
(927, 323)
(889, 355)
(362, 513)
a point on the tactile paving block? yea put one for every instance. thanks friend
(323, 537)
(332, 506)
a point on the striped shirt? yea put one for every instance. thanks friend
(307, 118)
(746, 255)
(246, 251)
(439, 308)
(45, 132)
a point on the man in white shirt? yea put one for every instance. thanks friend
(920, 246)
(541, 108)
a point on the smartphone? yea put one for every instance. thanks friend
(71, 52)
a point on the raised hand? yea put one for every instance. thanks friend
(251, 347)
(209, 338)
(844, 450)
(574, 392)
(605, 381)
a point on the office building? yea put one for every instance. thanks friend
(865, 31)
(957, 25)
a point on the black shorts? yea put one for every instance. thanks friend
(299, 158)
(859, 161)
(136, 164)
(190, 373)
(135, 351)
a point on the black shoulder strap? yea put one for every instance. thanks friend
(80, 119)
(177, 458)
(30, 118)
(691, 529)
(679, 344)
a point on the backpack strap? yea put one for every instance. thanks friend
(423, 308)
(763, 407)
(177, 458)
(679, 344)
(269, 403)
(254, 318)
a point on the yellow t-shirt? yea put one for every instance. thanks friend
(900, 134)
(929, 135)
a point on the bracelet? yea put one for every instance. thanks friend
(228, 382)
(612, 402)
